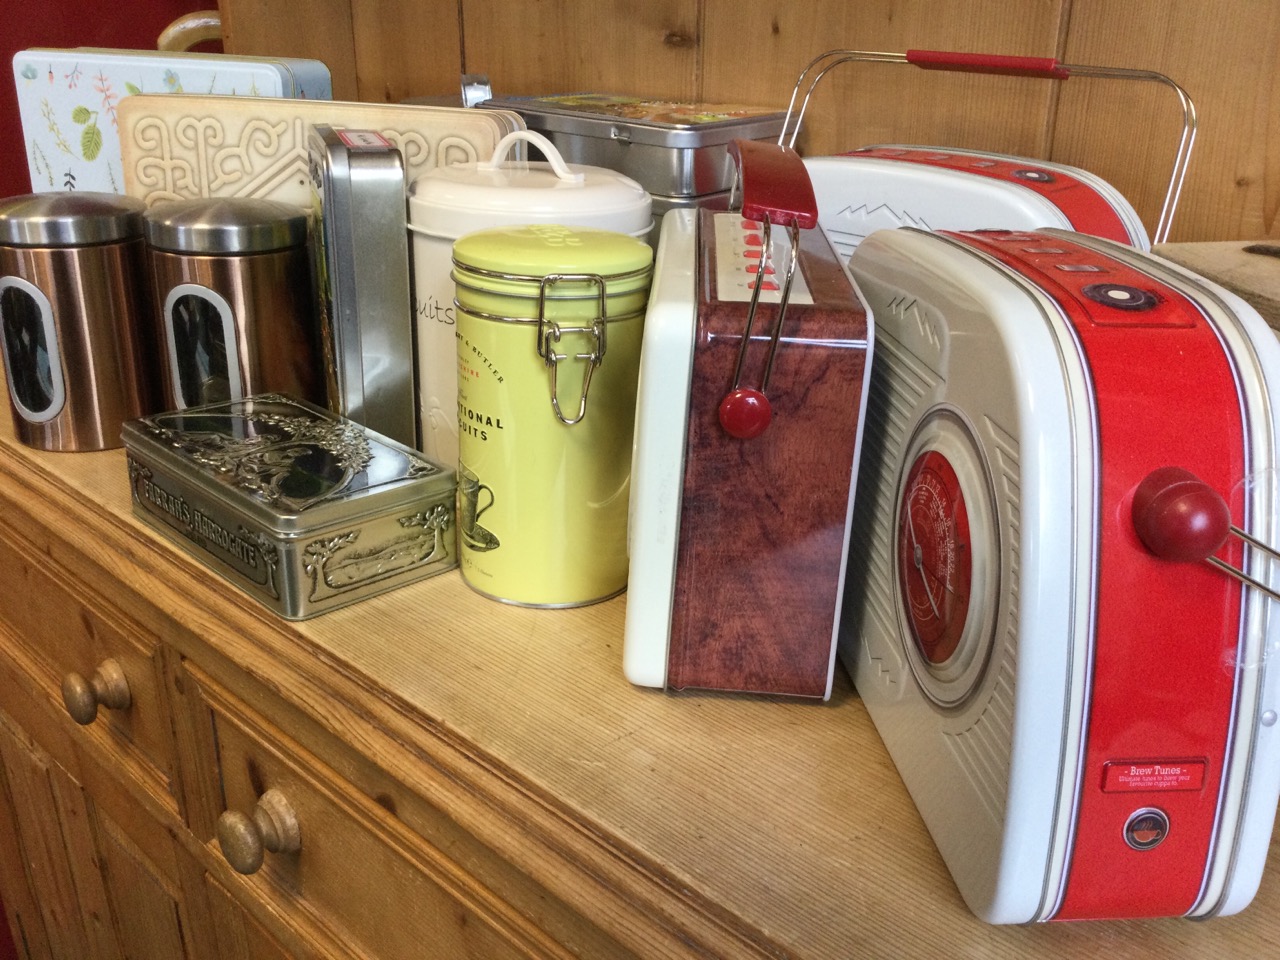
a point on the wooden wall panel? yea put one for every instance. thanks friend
(565, 46)
(320, 30)
(753, 50)
(1225, 55)
(406, 49)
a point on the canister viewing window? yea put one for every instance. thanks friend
(200, 331)
(31, 359)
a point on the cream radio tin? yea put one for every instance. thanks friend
(362, 268)
(550, 320)
(1083, 709)
(304, 510)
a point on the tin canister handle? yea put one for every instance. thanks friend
(775, 187)
(773, 182)
(1043, 67)
(1040, 67)
(558, 166)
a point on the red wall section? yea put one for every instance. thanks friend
(133, 24)
(7, 949)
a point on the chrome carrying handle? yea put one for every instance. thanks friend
(1047, 68)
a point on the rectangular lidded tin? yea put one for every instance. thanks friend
(305, 510)
(362, 264)
(673, 150)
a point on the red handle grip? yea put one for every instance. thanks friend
(774, 183)
(1046, 67)
(1178, 516)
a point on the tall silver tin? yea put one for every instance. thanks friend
(362, 267)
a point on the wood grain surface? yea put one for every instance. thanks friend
(752, 51)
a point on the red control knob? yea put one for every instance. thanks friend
(1178, 516)
(745, 413)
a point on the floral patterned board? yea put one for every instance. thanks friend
(183, 147)
(69, 102)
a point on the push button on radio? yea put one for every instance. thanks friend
(1146, 828)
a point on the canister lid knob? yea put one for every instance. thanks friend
(70, 219)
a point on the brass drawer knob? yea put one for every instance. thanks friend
(244, 839)
(106, 688)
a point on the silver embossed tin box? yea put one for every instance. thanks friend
(305, 510)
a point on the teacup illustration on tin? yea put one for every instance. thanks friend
(470, 509)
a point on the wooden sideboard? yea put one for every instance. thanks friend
(467, 779)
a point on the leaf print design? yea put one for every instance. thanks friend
(59, 141)
(91, 142)
(90, 136)
(42, 163)
(29, 72)
(102, 84)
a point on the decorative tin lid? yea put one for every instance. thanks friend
(537, 250)
(290, 466)
(225, 225)
(69, 219)
(512, 262)
(635, 119)
(462, 197)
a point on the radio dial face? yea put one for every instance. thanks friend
(947, 558)
(935, 557)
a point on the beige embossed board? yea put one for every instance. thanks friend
(179, 147)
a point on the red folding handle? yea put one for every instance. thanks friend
(1046, 67)
(774, 183)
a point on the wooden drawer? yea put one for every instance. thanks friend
(66, 634)
(381, 889)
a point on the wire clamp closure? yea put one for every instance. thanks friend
(550, 333)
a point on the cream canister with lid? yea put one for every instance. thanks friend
(549, 325)
(449, 202)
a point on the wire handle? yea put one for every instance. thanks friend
(775, 188)
(1037, 67)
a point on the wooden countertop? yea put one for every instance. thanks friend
(714, 824)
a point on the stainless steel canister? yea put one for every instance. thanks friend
(234, 301)
(549, 324)
(74, 312)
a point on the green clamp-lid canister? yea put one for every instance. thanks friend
(549, 328)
